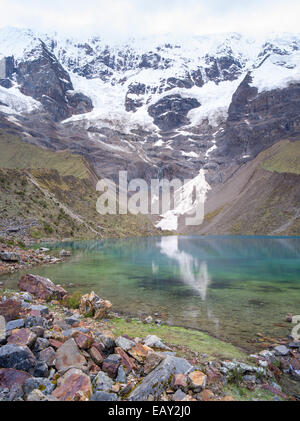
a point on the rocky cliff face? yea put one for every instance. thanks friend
(42, 77)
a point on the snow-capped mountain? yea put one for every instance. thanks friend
(125, 80)
(158, 106)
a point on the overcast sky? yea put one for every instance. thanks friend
(123, 18)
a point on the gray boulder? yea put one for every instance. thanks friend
(2, 330)
(104, 396)
(281, 350)
(17, 357)
(124, 343)
(121, 377)
(155, 342)
(102, 382)
(45, 385)
(160, 378)
(15, 324)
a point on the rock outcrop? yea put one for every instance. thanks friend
(170, 112)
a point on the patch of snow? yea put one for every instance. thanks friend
(190, 154)
(210, 150)
(159, 143)
(17, 103)
(109, 109)
(184, 202)
(271, 76)
(214, 99)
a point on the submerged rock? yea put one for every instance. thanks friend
(64, 253)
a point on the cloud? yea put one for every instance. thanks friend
(122, 18)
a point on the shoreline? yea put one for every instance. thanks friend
(202, 347)
(198, 348)
(38, 257)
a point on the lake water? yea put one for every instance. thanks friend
(231, 287)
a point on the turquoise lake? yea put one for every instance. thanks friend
(231, 287)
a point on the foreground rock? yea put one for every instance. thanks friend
(42, 288)
(68, 356)
(74, 386)
(17, 357)
(93, 306)
(10, 377)
(22, 337)
(197, 380)
(159, 379)
(58, 355)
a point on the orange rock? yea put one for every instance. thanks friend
(139, 352)
(126, 361)
(227, 399)
(96, 355)
(207, 395)
(83, 341)
(189, 399)
(91, 304)
(197, 380)
(180, 381)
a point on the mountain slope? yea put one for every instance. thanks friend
(258, 197)
(45, 194)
